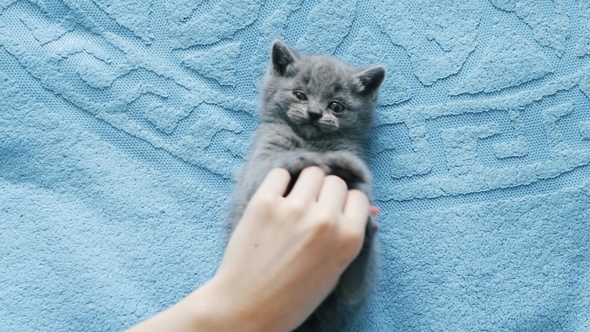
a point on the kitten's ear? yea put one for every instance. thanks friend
(370, 79)
(282, 56)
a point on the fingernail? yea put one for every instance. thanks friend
(374, 211)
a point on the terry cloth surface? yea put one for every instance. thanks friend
(122, 122)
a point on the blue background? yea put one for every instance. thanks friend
(123, 122)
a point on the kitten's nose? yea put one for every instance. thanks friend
(314, 114)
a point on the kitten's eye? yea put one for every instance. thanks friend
(299, 95)
(336, 107)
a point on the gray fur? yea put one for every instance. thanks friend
(295, 134)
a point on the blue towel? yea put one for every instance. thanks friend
(122, 123)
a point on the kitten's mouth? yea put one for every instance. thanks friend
(311, 126)
(319, 128)
(309, 129)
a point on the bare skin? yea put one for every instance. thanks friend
(284, 257)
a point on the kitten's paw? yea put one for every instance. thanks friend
(349, 167)
(297, 163)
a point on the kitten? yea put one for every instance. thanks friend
(317, 110)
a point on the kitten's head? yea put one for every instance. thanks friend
(319, 96)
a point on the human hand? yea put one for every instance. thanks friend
(284, 257)
(287, 253)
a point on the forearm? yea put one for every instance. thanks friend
(284, 257)
(206, 309)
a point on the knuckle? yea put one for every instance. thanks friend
(263, 201)
(297, 208)
(325, 222)
(276, 172)
(357, 192)
(262, 207)
(328, 216)
(358, 195)
(265, 205)
(336, 180)
(320, 229)
(351, 244)
(313, 169)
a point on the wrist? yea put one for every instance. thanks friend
(213, 308)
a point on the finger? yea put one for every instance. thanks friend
(308, 184)
(275, 183)
(374, 211)
(356, 211)
(333, 193)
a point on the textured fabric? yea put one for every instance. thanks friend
(122, 123)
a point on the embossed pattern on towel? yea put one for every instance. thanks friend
(122, 123)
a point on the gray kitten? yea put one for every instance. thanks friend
(316, 110)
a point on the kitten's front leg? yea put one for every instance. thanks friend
(350, 168)
(297, 161)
